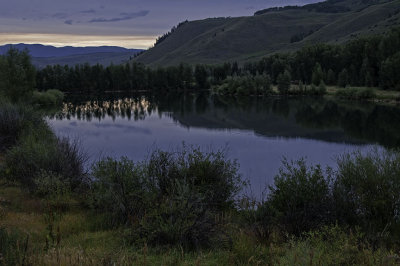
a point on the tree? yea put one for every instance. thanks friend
(201, 76)
(331, 77)
(284, 80)
(389, 76)
(17, 74)
(343, 78)
(317, 75)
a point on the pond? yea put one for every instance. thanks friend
(258, 132)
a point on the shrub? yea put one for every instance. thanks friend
(363, 193)
(14, 119)
(299, 200)
(367, 192)
(37, 150)
(48, 98)
(210, 173)
(366, 93)
(172, 198)
(121, 189)
(356, 93)
(246, 85)
(181, 218)
(51, 186)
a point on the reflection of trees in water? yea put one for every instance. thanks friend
(129, 108)
(364, 121)
(370, 122)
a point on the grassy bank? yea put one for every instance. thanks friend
(76, 238)
(374, 94)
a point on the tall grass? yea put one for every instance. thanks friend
(13, 247)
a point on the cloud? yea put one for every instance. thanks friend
(60, 15)
(124, 16)
(89, 11)
(69, 21)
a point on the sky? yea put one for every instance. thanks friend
(126, 23)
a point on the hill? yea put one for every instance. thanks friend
(104, 59)
(43, 55)
(217, 40)
(39, 50)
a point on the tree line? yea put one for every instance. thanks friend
(371, 61)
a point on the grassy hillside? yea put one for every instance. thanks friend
(217, 40)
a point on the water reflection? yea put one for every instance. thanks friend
(310, 118)
(259, 132)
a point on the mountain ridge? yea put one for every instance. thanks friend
(218, 40)
(40, 50)
(43, 55)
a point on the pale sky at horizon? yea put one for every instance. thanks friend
(126, 23)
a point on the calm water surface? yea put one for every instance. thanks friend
(259, 133)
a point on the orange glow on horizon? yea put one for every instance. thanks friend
(58, 40)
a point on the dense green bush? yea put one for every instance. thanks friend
(311, 90)
(121, 189)
(37, 150)
(363, 193)
(356, 93)
(299, 200)
(172, 198)
(47, 98)
(367, 192)
(14, 119)
(245, 85)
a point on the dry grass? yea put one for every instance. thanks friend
(81, 242)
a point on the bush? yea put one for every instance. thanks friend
(37, 150)
(121, 189)
(366, 93)
(246, 85)
(51, 186)
(363, 193)
(367, 192)
(14, 119)
(180, 219)
(171, 198)
(356, 93)
(299, 200)
(48, 98)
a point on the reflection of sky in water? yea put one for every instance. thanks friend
(259, 157)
